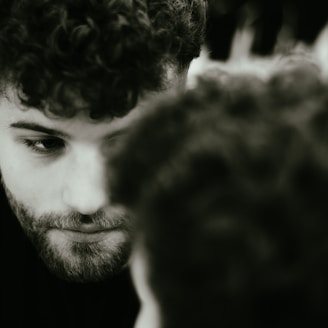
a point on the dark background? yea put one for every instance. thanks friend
(303, 19)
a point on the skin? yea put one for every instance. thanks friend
(149, 313)
(53, 171)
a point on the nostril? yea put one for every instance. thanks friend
(85, 219)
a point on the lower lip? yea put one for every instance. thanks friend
(85, 237)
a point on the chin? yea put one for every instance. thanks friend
(85, 262)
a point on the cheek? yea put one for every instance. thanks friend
(13, 168)
(25, 185)
(32, 184)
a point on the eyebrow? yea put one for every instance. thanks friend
(38, 128)
(26, 125)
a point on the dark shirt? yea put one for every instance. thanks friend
(32, 296)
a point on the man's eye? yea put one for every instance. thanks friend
(45, 145)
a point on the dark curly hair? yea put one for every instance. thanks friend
(229, 194)
(96, 55)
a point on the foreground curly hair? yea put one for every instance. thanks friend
(95, 55)
(228, 183)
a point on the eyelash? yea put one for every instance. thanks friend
(57, 145)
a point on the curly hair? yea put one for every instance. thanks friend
(229, 195)
(95, 55)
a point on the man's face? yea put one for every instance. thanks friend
(54, 173)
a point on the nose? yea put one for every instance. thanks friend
(85, 188)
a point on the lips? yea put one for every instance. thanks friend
(89, 228)
(87, 233)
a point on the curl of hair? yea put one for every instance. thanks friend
(94, 55)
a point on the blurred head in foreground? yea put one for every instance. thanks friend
(228, 183)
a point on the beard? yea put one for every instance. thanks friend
(73, 260)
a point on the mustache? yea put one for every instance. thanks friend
(75, 220)
(114, 218)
